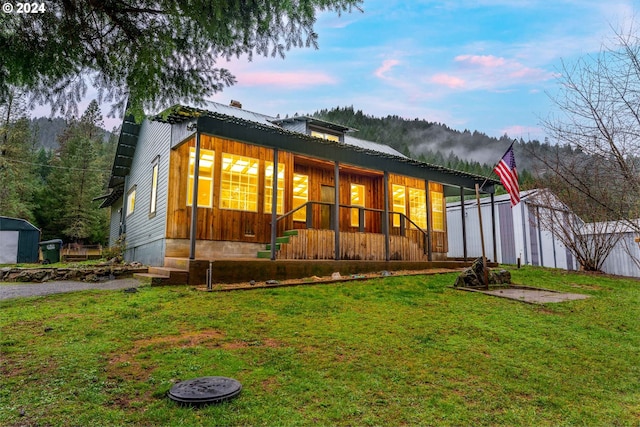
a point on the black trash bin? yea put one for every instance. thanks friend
(51, 251)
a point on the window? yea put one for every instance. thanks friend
(324, 135)
(437, 210)
(239, 183)
(300, 196)
(357, 199)
(268, 187)
(418, 207)
(154, 188)
(205, 178)
(131, 200)
(398, 203)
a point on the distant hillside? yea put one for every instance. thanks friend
(433, 142)
(47, 131)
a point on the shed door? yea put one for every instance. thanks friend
(9, 247)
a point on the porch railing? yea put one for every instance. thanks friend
(399, 230)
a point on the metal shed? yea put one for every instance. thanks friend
(18, 241)
(518, 233)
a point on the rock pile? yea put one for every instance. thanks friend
(473, 277)
(95, 273)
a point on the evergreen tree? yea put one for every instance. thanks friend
(149, 53)
(18, 181)
(78, 176)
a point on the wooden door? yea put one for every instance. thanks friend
(328, 195)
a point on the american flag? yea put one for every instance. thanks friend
(506, 170)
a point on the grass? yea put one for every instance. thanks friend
(392, 351)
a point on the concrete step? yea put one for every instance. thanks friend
(181, 263)
(165, 276)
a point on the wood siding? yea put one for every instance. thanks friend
(215, 223)
(242, 226)
(323, 174)
(320, 244)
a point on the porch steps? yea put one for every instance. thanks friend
(282, 240)
(159, 276)
(264, 254)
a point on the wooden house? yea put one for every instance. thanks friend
(202, 184)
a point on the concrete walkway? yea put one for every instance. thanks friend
(12, 290)
(529, 295)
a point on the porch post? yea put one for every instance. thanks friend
(274, 204)
(194, 201)
(336, 209)
(493, 227)
(385, 217)
(427, 198)
(464, 224)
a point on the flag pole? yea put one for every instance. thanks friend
(485, 272)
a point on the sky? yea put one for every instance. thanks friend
(490, 66)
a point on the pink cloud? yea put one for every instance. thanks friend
(485, 61)
(386, 66)
(490, 72)
(519, 131)
(288, 79)
(447, 80)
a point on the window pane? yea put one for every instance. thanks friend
(357, 199)
(131, 201)
(437, 210)
(398, 201)
(300, 196)
(205, 178)
(418, 207)
(268, 187)
(154, 189)
(239, 183)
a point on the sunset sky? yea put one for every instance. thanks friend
(485, 65)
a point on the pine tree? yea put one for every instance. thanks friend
(78, 177)
(18, 181)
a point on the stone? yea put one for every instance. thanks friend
(473, 277)
(336, 276)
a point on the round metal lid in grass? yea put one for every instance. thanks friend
(205, 390)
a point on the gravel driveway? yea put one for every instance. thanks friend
(8, 291)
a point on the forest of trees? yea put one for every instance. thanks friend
(436, 143)
(51, 170)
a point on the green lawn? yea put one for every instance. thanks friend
(392, 351)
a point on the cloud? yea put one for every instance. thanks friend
(387, 64)
(489, 72)
(292, 79)
(525, 132)
(447, 80)
(482, 61)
